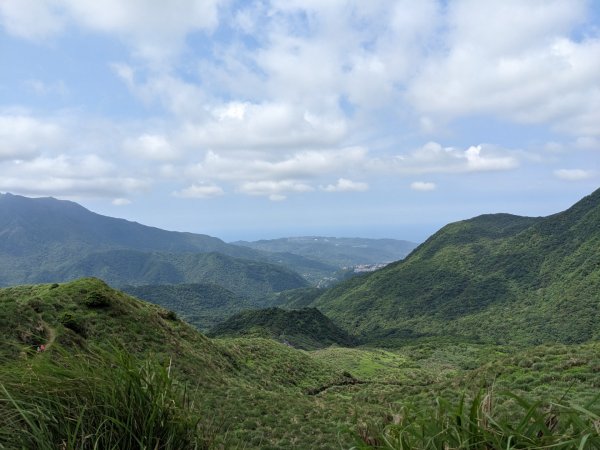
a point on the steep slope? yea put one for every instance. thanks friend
(87, 312)
(35, 225)
(494, 278)
(306, 328)
(337, 252)
(203, 305)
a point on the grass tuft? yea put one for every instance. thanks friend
(98, 400)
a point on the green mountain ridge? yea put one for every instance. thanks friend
(253, 279)
(48, 240)
(306, 328)
(493, 278)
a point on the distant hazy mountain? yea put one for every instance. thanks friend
(338, 252)
(47, 240)
(494, 278)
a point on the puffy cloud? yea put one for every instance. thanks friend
(423, 186)
(151, 146)
(200, 191)
(23, 136)
(249, 166)
(573, 174)
(533, 74)
(121, 202)
(31, 19)
(155, 30)
(74, 176)
(275, 190)
(243, 125)
(345, 185)
(73, 187)
(433, 158)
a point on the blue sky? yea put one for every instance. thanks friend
(259, 119)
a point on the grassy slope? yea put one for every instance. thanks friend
(495, 278)
(256, 391)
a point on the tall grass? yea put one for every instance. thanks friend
(473, 425)
(98, 400)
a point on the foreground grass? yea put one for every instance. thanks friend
(474, 425)
(97, 400)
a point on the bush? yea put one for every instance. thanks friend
(74, 323)
(97, 300)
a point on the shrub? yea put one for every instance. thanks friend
(74, 323)
(97, 300)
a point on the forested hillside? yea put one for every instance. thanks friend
(493, 278)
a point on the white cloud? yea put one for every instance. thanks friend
(151, 146)
(238, 125)
(573, 174)
(31, 19)
(423, 186)
(433, 158)
(250, 166)
(274, 189)
(73, 187)
(121, 202)
(156, 30)
(200, 191)
(345, 185)
(23, 136)
(533, 74)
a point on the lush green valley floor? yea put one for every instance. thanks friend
(121, 373)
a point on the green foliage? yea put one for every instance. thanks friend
(305, 328)
(495, 279)
(249, 392)
(45, 240)
(473, 425)
(201, 304)
(100, 399)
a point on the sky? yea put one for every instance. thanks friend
(272, 118)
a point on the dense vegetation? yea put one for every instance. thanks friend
(306, 328)
(495, 278)
(202, 305)
(103, 346)
(49, 240)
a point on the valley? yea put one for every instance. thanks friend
(492, 320)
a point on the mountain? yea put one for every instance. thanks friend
(201, 304)
(494, 278)
(47, 240)
(306, 328)
(252, 279)
(337, 252)
(36, 225)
